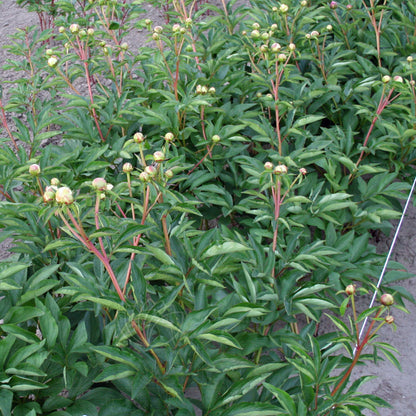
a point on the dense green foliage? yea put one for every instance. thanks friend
(184, 214)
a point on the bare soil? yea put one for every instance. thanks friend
(398, 388)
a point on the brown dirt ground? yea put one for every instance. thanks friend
(398, 388)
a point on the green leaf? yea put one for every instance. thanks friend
(115, 372)
(284, 398)
(18, 314)
(20, 333)
(157, 320)
(254, 409)
(6, 398)
(225, 248)
(307, 120)
(120, 355)
(221, 337)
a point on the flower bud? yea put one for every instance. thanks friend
(55, 182)
(212, 90)
(34, 169)
(215, 138)
(329, 28)
(48, 196)
(284, 8)
(158, 29)
(308, 36)
(274, 9)
(265, 36)
(109, 187)
(147, 22)
(150, 170)
(169, 137)
(169, 174)
(276, 47)
(204, 89)
(74, 28)
(350, 290)
(90, 31)
(333, 5)
(138, 137)
(155, 36)
(176, 28)
(124, 46)
(387, 299)
(188, 21)
(409, 58)
(53, 61)
(127, 167)
(99, 184)
(303, 3)
(314, 33)
(281, 57)
(49, 52)
(292, 47)
(64, 196)
(268, 166)
(349, 6)
(273, 27)
(389, 319)
(82, 33)
(398, 78)
(144, 177)
(255, 34)
(303, 171)
(158, 156)
(255, 26)
(61, 29)
(264, 48)
(280, 170)
(412, 82)
(386, 79)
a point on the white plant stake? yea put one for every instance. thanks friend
(396, 234)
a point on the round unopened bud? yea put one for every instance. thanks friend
(169, 137)
(387, 299)
(333, 5)
(144, 177)
(280, 170)
(281, 57)
(64, 195)
(284, 8)
(34, 169)
(274, 9)
(412, 82)
(409, 59)
(389, 319)
(176, 28)
(349, 6)
(169, 174)
(109, 186)
(147, 22)
(308, 36)
(204, 89)
(268, 166)
(90, 31)
(124, 46)
(158, 29)
(53, 61)
(138, 137)
(314, 33)
(329, 28)
(74, 28)
(188, 21)
(150, 170)
(49, 52)
(255, 26)
(273, 27)
(127, 167)
(99, 184)
(255, 34)
(303, 171)
(398, 78)
(264, 48)
(350, 290)
(49, 196)
(386, 79)
(291, 47)
(155, 36)
(199, 89)
(158, 156)
(265, 36)
(82, 33)
(212, 90)
(55, 182)
(303, 3)
(61, 29)
(276, 47)
(215, 138)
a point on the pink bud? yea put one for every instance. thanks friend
(350, 290)
(64, 196)
(99, 184)
(34, 169)
(127, 167)
(333, 5)
(158, 156)
(138, 137)
(387, 299)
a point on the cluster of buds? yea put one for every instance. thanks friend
(280, 170)
(178, 29)
(387, 78)
(203, 90)
(101, 186)
(157, 30)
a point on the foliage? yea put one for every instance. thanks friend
(184, 215)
